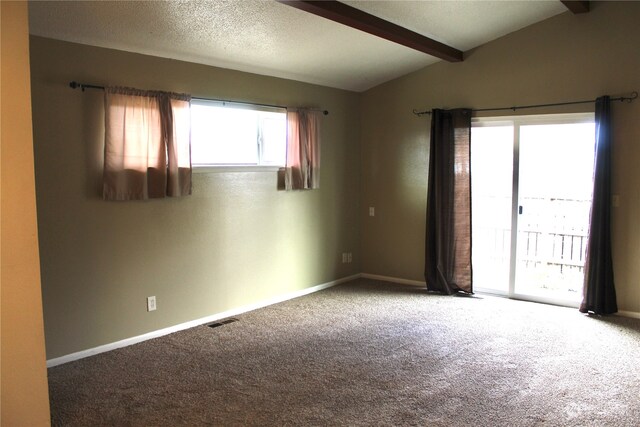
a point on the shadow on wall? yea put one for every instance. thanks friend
(93, 138)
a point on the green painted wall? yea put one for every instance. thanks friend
(567, 57)
(236, 241)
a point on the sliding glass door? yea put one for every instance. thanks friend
(531, 192)
(554, 193)
(491, 205)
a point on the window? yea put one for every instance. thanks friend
(235, 134)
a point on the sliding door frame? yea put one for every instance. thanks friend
(517, 122)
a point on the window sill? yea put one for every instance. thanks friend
(235, 168)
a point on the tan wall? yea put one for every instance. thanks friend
(25, 398)
(568, 57)
(235, 241)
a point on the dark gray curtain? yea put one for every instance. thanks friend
(599, 290)
(448, 236)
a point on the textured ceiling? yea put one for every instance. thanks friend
(266, 37)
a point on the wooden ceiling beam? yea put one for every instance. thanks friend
(356, 18)
(577, 6)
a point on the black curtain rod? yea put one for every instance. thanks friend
(83, 86)
(633, 96)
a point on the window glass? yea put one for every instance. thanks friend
(532, 182)
(236, 134)
(274, 138)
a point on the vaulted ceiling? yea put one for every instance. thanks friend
(271, 38)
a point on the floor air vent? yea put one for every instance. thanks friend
(222, 322)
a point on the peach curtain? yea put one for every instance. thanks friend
(302, 170)
(147, 144)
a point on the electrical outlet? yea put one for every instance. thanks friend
(349, 258)
(372, 211)
(344, 257)
(151, 303)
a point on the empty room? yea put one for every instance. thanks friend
(268, 212)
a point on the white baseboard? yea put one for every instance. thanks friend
(197, 322)
(633, 314)
(623, 313)
(393, 279)
(239, 310)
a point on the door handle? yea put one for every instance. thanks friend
(520, 210)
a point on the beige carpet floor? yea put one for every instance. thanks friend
(368, 353)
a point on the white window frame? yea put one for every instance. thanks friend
(234, 167)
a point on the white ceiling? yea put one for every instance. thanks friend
(266, 37)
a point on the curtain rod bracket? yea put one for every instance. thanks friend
(630, 99)
(74, 85)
